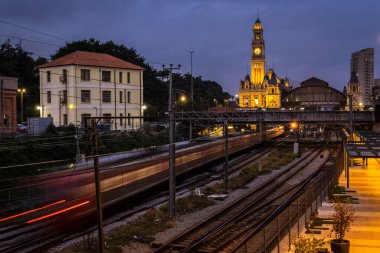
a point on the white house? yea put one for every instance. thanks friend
(87, 84)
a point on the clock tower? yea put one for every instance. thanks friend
(258, 54)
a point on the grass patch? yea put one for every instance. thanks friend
(273, 161)
(143, 228)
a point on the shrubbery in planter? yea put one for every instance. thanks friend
(343, 218)
(308, 244)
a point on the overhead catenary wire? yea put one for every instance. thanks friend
(34, 41)
(32, 30)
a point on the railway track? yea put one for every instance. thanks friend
(206, 236)
(12, 241)
(264, 236)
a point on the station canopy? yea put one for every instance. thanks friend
(367, 147)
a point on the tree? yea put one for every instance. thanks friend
(16, 62)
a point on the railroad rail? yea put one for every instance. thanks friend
(233, 220)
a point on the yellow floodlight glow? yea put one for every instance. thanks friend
(71, 106)
(294, 125)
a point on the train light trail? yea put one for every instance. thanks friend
(32, 211)
(58, 212)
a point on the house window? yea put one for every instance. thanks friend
(121, 96)
(85, 96)
(85, 74)
(48, 75)
(106, 96)
(120, 77)
(64, 75)
(121, 119)
(129, 119)
(107, 119)
(128, 77)
(49, 97)
(63, 97)
(128, 97)
(106, 76)
(65, 119)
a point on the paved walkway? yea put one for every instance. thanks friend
(365, 232)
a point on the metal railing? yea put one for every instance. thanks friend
(288, 221)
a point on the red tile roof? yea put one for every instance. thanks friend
(84, 58)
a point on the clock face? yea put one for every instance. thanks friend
(257, 50)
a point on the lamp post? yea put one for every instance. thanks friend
(22, 91)
(296, 126)
(172, 173)
(216, 102)
(191, 93)
(39, 109)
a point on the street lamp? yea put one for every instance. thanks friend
(22, 91)
(296, 126)
(182, 99)
(216, 102)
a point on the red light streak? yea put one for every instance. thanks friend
(58, 212)
(32, 211)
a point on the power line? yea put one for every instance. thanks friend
(34, 41)
(32, 30)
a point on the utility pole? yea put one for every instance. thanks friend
(78, 149)
(1, 107)
(191, 93)
(99, 204)
(225, 128)
(172, 174)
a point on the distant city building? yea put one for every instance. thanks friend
(362, 63)
(261, 89)
(87, 84)
(314, 94)
(376, 98)
(8, 102)
(353, 89)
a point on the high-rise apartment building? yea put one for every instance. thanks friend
(362, 63)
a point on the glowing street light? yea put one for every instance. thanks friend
(182, 99)
(22, 91)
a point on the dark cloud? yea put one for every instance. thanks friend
(303, 38)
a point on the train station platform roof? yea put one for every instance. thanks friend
(368, 147)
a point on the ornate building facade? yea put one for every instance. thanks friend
(261, 89)
(353, 89)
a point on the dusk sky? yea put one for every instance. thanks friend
(303, 38)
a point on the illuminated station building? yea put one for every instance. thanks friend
(261, 89)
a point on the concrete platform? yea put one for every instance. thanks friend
(365, 232)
